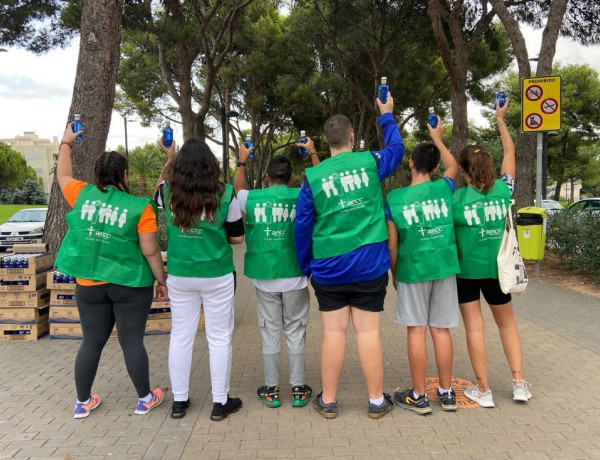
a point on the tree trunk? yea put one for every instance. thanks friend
(460, 121)
(557, 191)
(93, 97)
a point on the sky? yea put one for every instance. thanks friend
(35, 91)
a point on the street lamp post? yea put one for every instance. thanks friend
(125, 121)
(224, 116)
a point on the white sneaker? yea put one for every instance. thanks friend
(521, 391)
(484, 399)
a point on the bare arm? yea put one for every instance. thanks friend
(509, 165)
(151, 251)
(447, 158)
(64, 164)
(310, 146)
(170, 151)
(392, 244)
(240, 182)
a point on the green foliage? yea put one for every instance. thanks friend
(14, 170)
(574, 238)
(31, 193)
(145, 164)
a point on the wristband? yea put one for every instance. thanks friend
(313, 152)
(70, 144)
(240, 163)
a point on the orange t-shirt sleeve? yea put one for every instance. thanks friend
(72, 190)
(147, 222)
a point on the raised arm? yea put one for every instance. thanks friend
(447, 158)
(312, 152)
(509, 165)
(170, 151)
(240, 182)
(390, 157)
(64, 164)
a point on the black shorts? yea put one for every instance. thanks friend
(470, 290)
(367, 295)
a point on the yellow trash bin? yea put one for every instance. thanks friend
(531, 232)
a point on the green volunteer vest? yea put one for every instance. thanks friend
(479, 226)
(102, 242)
(270, 249)
(348, 202)
(203, 251)
(426, 242)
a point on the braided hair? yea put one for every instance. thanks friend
(109, 169)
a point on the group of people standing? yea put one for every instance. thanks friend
(337, 232)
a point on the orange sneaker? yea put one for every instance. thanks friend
(145, 407)
(82, 410)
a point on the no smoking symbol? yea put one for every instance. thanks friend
(534, 92)
(549, 105)
(533, 121)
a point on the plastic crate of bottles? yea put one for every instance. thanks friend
(59, 280)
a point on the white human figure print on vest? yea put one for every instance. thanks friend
(444, 208)
(356, 179)
(92, 210)
(326, 187)
(364, 176)
(469, 216)
(257, 212)
(413, 213)
(85, 209)
(407, 215)
(264, 213)
(499, 211)
(425, 210)
(102, 213)
(286, 213)
(293, 213)
(332, 186)
(436, 209)
(123, 218)
(114, 215)
(475, 215)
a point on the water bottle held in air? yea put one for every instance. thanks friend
(249, 145)
(383, 91)
(167, 135)
(76, 125)
(432, 118)
(500, 98)
(302, 140)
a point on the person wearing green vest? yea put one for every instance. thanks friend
(111, 248)
(203, 221)
(282, 298)
(424, 262)
(341, 242)
(479, 219)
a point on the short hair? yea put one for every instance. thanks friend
(337, 131)
(425, 157)
(279, 170)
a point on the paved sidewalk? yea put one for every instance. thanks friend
(561, 342)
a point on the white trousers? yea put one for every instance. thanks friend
(187, 296)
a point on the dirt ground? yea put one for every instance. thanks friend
(552, 271)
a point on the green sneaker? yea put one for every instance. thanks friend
(269, 396)
(301, 394)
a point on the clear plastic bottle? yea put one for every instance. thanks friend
(383, 90)
(432, 118)
(249, 145)
(76, 125)
(302, 140)
(167, 135)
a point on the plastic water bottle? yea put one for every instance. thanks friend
(76, 125)
(432, 118)
(302, 140)
(167, 135)
(248, 144)
(500, 98)
(383, 91)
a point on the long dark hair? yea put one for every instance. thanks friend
(477, 162)
(194, 186)
(109, 169)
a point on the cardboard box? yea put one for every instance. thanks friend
(50, 284)
(32, 282)
(70, 331)
(25, 299)
(30, 248)
(20, 332)
(38, 264)
(158, 326)
(63, 314)
(62, 297)
(20, 315)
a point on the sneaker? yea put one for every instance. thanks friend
(178, 408)
(448, 400)
(521, 391)
(82, 410)
(145, 407)
(379, 411)
(221, 411)
(301, 394)
(484, 399)
(326, 410)
(406, 400)
(269, 396)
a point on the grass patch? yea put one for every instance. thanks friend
(7, 210)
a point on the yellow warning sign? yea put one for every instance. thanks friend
(540, 104)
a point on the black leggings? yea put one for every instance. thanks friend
(99, 308)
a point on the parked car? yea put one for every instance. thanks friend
(26, 226)
(552, 206)
(587, 204)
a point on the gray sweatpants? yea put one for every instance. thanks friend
(283, 312)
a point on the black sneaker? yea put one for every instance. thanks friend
(178, 408)
(406, 400)
(269, 396)
(326, 410)
(221, 411)
(382, 409)
(301, 395)
(448, 400)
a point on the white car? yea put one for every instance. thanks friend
(26, 226)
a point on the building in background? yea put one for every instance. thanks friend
(40, 154)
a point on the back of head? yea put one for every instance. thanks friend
(425, 157)
(109, 169)
(337, 131)
(477, 163)
(279, 170)
(194, 185)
